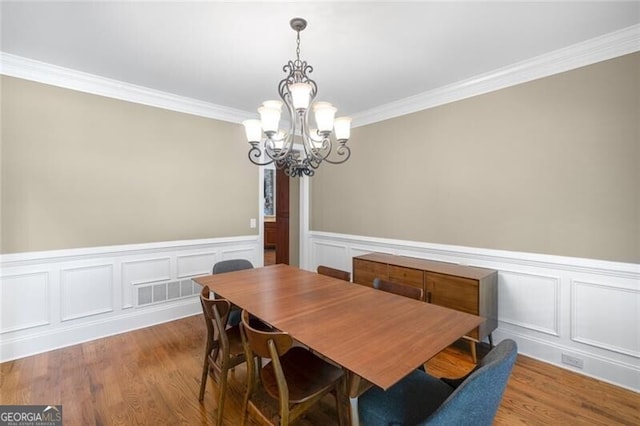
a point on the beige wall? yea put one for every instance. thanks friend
(551, 166)
(80, 170)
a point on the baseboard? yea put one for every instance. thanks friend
(127, 321)
(604, 369)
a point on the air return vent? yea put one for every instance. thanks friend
(149, 294)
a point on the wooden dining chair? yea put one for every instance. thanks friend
(399, 289)
(224, 349)
(294, 377)
(335, 273)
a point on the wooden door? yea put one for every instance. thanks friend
(282, 217)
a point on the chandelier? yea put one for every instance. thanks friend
(270, 144)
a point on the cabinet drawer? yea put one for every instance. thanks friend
(365, 271)
(406, 276)
(453, 292)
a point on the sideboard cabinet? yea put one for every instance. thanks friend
(464, 288)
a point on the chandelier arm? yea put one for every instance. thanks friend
(255, 153)
(307, 143)
(278, 154)
(343, 150)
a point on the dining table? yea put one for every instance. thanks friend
(377, 337)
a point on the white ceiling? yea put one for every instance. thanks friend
(364, 54)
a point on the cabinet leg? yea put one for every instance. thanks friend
(472, 346)
(490, 341)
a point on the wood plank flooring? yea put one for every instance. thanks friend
(269, 257)
(151, 377)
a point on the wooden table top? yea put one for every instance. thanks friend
(379, 336)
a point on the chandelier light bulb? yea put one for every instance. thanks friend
(253, 130)
(342, 128)
(325, 113)
(270, 116)
(300, 95)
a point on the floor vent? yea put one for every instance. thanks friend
(164, 292)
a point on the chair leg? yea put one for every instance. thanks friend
(490, 341)
(203, 380)
(284, 418)
(223, 391)
(474, 356)
(251, 384)
(339, 392)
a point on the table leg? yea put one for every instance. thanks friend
(354, 385)
(354, 419)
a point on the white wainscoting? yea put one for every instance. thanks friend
(59, 298)
(550, 305)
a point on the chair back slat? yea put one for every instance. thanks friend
(399, 289)
(335, 273)
(216, 313)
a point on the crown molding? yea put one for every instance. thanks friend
(608, 46)
(29, 69)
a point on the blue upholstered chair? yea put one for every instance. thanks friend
(421, 399)
(230, 266)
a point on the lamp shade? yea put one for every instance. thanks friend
(300, 95)
(270, 115)
(325, 114)
(342, 128)
(253, 130)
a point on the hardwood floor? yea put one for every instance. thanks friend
(152, 376)
(269, 257)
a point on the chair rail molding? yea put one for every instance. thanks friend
(52, 299)
(551, 305)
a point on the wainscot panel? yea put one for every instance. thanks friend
(59, 298)
(552, 306)
(28, 289)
